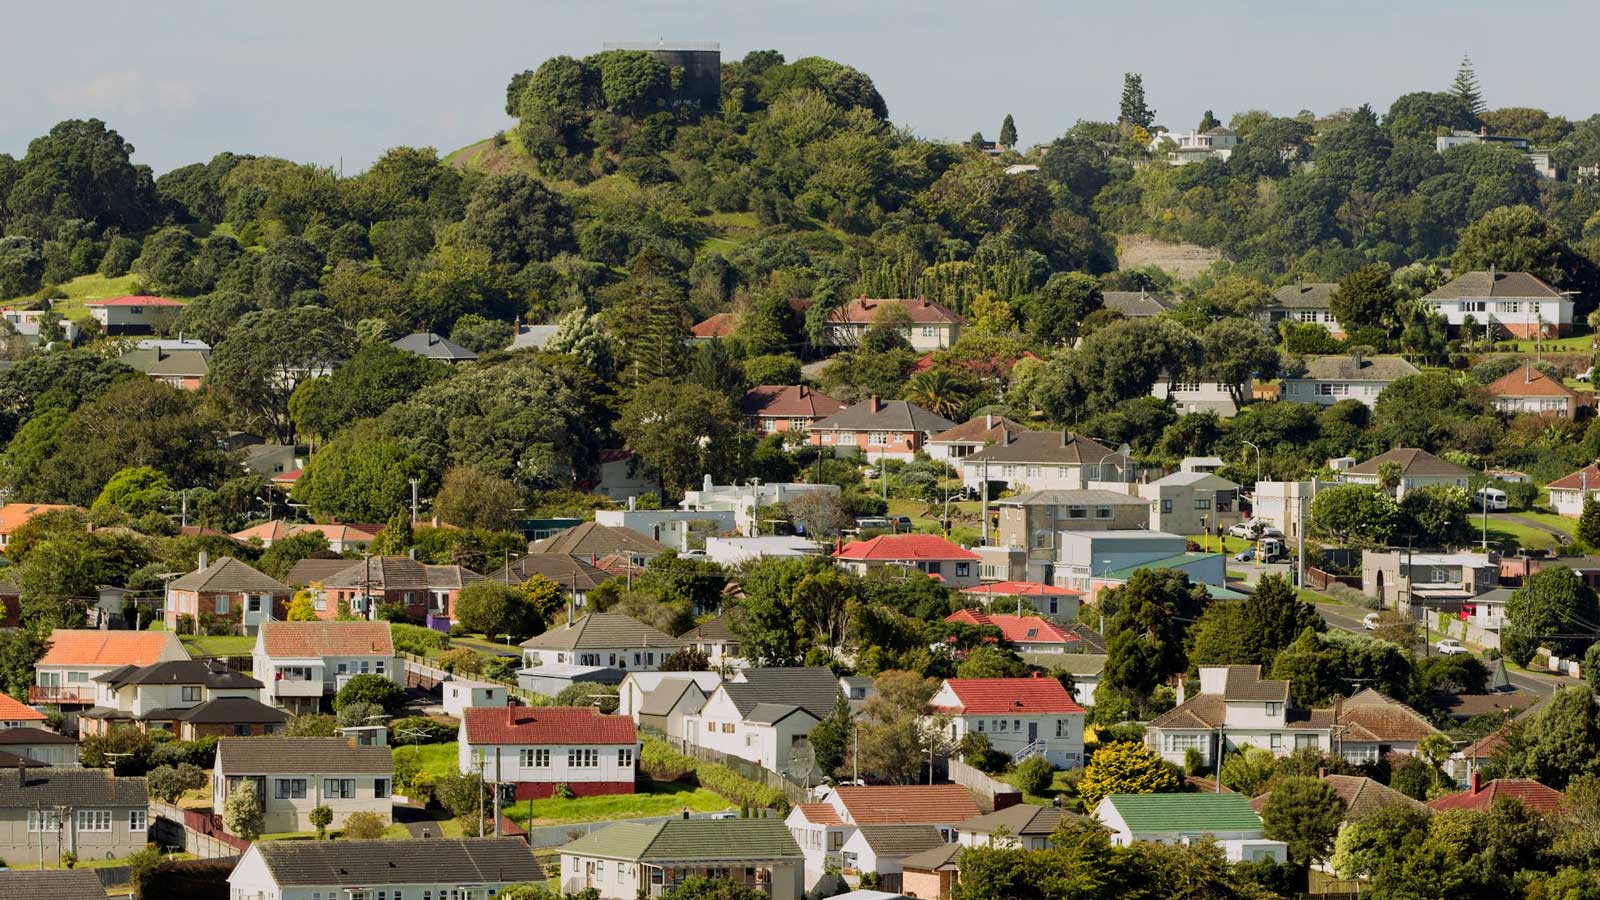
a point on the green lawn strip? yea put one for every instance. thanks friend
(652, 799)
(89, 863)
(1058, 786)
(1231, 544)
(218, 645)
(1560, 523)
(437, 760)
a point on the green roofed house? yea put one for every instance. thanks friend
(629, 859)
(1226, 819)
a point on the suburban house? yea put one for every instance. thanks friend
(878, 429)
(1021, 717)
(1362, 797)
(970, 436)
(760, 714)
(94, 814)
(1084, 557)
(190, 699)
(659, 701)
(574, 576)
(1236, 706)
(1226, 819)
(51, 884)
(930, 554)
(1029, 526)
(64, 676)
(29, 324)
(777, 408)
(1371, 726)
(1134, 304)
(16, 714)
(1479, 796)
(1282, 504)
(877, 851)
(45, 748)
(300, 662)
(1201, 396)
(224, 591)
(929, 326)
(182, 369)
(1303, 303)
(823, 828)
(712, 327)
(1044, 599)
(732, 551)
(1543, 165)
(1325, 380)
(1024, 826)
(631, 859)
(420, 589)
(618, 475)
(1444, 580)
(535, 748)
(462, 694)
(745, 501)
(592, 541)
(1042, 460)
(1029, 634)
(1568, 492)
(611, 640)
(1184, 147)
(681, 529)
(1192, 503)
(16, 515)
(133, 315)
(461, 868)
(428, 345)
(1417, 469)
(931, 874)
(1507, 303)
(1528, 391)
(715, 638)
(294, 775)
(342, 537)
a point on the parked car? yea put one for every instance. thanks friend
(1492, 499)
(1252, 529)
(866, 522)
(1370, 621)
(1450, 647)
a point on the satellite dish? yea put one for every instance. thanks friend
(802, 762)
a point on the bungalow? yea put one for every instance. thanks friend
(619, 475)
(1535, 796)
(1192, 503)
(779, 408)
(1444, 580)
(1568, 492)
(294, 775)
(189, 699)
(420, 589)
(1362, 797)
(32, 325)
(1303, 303)
(611, 640)
(536, 748)
(681, 529)
(1528, 391)
(64, 676)
(342, 536)
(182, 369)
(746, 501)
(1237, 707)
(1134, 304)
(51, 884)
(715, 638)
(877, 851)
(462, 868)
(632, 859)
(931, 874)
(730, 552)
(461, 694)
(592, 541)
(1044, 599)
(45, 748)
(574, 576)
(1226, 819)
(301, 662)
(1325, 380)
(969, 437)
(1043, 460)
(928, 325)
(822, 829)
(877, 429)
(1029, 634)
(16, 714)
(16, 515)
(1416, 469)
(1371, 726)
(1506, 303)
(714, 326)
(759, 714)
(1021, 717)
(1194, 396)
(428, 345)
(1023, 826)
(224, 591)
(88, 813)
(661, 701)
(133, 315)
(930, 554)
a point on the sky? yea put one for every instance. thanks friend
(337, 82)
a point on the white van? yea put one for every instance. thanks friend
(1492, 499)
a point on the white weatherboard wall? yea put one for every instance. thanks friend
(720, 726)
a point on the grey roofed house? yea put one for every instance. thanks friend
(568, 572)
(295, 755)
(1316, 295)
(1413, 463)
(455, 861)
(1493, 284)
(231, 711)
(316, 571)
(432, 346)
(228, 575)
(1073, 663)
(158, 363)
(884, 415)
(1134, 304)
(1022, 820)
(177, 671)
(400, 573)
(1062, 447)
(900, 841)
(659, 702)
(31, 737)
(602, 631)
(814, 689)
(591, 540)
(81, 788)
(1065, 497)
(533, 337)
(51, 884)
(1358, 368)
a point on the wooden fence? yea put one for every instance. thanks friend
(425, 673)
(1318, 580)
(797, 793)
(213, 839)
(992, 795)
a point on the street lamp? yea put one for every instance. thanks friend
(1258, 459)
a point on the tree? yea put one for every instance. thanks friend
(377, 377)
(1554, 608)
(352, 715)
(1248, 770)
(819, 514)
(493, 609)
(242, 813)
(302, 608)
(1418, 116)
(21, 266)
(266, 353)
(1465, 87)
(1304, 813)
(1438, 515)
(1034, 775)
(1354, 511)
(1208, 122)
(1365, 298)
(1236, 352)
(1133, 111)
(1056, 311)
(989, 661)
(1273, 617)
(831, 735)
(517, 219)
(702, 888)
(1125, 767)
(1008, 132)
(136, 491)
(313, 725)
(277, 560)
(1514, 239)
(374, 689)
(321, 817)
(470, 498)
(686, 659)
(937, 391)
(168, 784)
(364, 826)
(361, 476)
(681, 431)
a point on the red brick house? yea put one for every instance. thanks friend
(226, 590)
(420, 588)
(536, 748)
(878, 428)
(772, 408)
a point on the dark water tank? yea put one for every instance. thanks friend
(697, 70)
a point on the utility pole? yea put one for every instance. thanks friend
(983, 497)
(183, 511)
(480, 792)
(856, 776)
(1258, 460)
(415, 482)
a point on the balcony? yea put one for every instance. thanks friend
(60, 693)
(295, 687)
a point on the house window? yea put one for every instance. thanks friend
(1166, 505)
(1102, 512)
(1077, 512)
(1274, 709)
(1033, 471)
(878, 438)
(1508, 306)
(242, 730)
(43, 820)
(191, 694)
(1204, 503)
(222, 604)
(137, 820)
(288, 789)
(534, 759)
(582, 758)
(727, 728)
(711, 726)
(1182, 742)
(94, 820)
(980, 726)
(253, 604)
(1061, 728)
(962, 569)
(339, 788)
(1472, 306)
(835, 840)
(380, 787)
(625, 757)
(1277, 741)
(1302, 741)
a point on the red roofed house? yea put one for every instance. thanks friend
(16, 515)
(1526, 390)
(718, 325)
(15, 714)
(772, 408)
(821, 829)
(133, 315)
(1535, 796)
(1567, 493)
(1021, 717)
(341, 536)
(933, 326)
(65, 674)
(1031, 634)
(538, 747)
(929, 553)
(1046, 599)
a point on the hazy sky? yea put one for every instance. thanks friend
(341, 80)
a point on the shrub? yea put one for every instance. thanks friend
(561, 792)
(376, 689)
(321, 818)
(586, 693)
(242, 814)
(364, 826)
(352, 715)
(461, 661)
(315, 725)
(977, 752)
(662, 763)
(417, 640)
(419, 730)
(1034, 775)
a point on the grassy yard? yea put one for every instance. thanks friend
(437, 760)
(84, 288)
(654, 799)
(1230, 544)
(1514, 534)
(1058, 787)
(395, 831)
(90, 863)
(1544, 517)
(218, 645)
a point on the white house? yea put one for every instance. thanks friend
(1568, 492)
(65, 675)
(1191, 502)
(1417, 469)
(188, 698)
(294, 775)
(732, 551)
(677, 528)
(1303, 304)
(637, 687)
(955, 444)
(1200, 396)
(1512, 303)
(536, 748)
(823, 828)
(629, 860)
(1283, 505)
(716, 639)
(459, 868)
(300, 662)
(1184, 147)
(1326, 380)
(877, 850)
(930, 554)
(133, 315)
(610, 640)
(1237, 707)
(745, 500)
(1226, 819)
(620, 476)
(1021, 717)
(1024, 826)
(462, 694)
(1043, 460)
(928, 325)
(760, 714)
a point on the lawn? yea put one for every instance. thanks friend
(218, 645)
(1579, 340)
(1509, 535)
(654, 799)
(1058, 786)
(1231, 544)
(395, 831)
(438, 760)
(84, 288)
(1560, 523)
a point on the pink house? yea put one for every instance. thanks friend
(888, 428)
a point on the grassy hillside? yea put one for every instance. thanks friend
(83, 289)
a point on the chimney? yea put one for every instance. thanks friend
(1183, 690)
(433, 339)
(1527, 377)
(1474, 786)
(632, 503)
(1494, 274)
(804, 392)
(411, 554)
(872, 403)
(22, 774)
(204, 559)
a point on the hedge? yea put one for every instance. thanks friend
(417, 640)
(662, 763)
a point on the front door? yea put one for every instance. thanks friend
(588, 873)
(1033, 732)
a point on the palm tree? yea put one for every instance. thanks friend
(936, 391)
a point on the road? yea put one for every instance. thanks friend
(1348, 618)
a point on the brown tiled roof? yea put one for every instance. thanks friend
(591, 539)
(820, 814)
(885, 415)
(1245, 683)
(297, 640)
(1348, 368)
(1412, 463)
(1199, 711)
(1526, 381)
(1465, 706)
(1535, 796)
(1056, 447)
(978, 428)
(602, 631)
(301, 755)
(1499, 284)
(864, 311)
(717, 325)
(920, 804)
(788, 401)
(1588, 475)
(313, 570)
(1370, 716)
(228, 575)
(1362, 797)
(564, 570)
(1316, 295)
